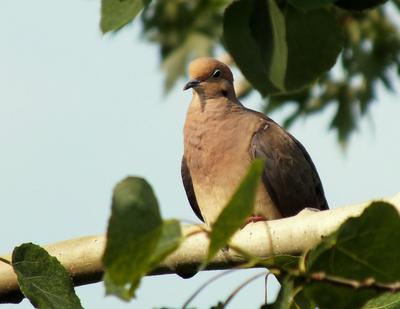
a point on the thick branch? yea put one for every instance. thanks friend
(82, 256)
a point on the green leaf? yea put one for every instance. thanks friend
(384, 301)
(363, 248)
(169, 241)
(137, 238)
(290, 297)
(345, 117)
(371, 49)
(315, 39)
(117, 13)
(281, 50)
(279, 55)
(250, 47)
(301, 301)
(237, 210)
(310, 4)
(42, 279)
(332, 296)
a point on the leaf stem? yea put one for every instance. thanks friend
(204, 285)
(356, 284)
(241, 286)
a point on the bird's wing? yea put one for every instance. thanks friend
(290, 176)
(188, 185)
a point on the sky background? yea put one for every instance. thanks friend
(80, 111)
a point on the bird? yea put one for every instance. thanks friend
(221, 139)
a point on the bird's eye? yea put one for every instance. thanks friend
(217, 73)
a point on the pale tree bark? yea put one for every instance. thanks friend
(82, 256)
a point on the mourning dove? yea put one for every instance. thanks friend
(222, 137)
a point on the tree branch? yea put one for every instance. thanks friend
(82, 256)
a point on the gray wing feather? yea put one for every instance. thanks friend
(188, 185)
(290, 176)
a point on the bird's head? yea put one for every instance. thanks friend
(210, 78)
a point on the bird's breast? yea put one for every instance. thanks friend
(215, 150)
(218, 156)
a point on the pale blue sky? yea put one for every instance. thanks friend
(80, 111)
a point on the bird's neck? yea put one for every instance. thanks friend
(213, 106)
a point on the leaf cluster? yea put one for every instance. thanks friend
(285, 49)
(353, 267)
(356, 266)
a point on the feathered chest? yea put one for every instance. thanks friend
(217, 146)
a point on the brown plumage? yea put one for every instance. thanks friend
(222, 137)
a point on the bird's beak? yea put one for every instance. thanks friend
(192, 83)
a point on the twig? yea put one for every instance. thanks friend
(204, 285)
(237, 290)
(356, 284)
(266, 287)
